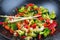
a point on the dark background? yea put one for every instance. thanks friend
(7, 7)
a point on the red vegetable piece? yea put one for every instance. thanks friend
(26, 22)
(50, 27)
(33, 25)
(45, 24)
(30, 4)
(47, 21)
(53, 30)
(41, 18)
(11, 31)
(22, 37)
(54, 23)
(26, 26)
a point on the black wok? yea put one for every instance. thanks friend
(7, 7)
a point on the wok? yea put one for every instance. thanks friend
(7, 7)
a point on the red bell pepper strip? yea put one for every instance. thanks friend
(26, 26)
(53, 30)
(45, 24)
(26, 22)
(54, 23)
(34, 25)
(30, 4)
(22, 37)
(40, 18)
(47, 21)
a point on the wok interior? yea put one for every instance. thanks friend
(51, 5)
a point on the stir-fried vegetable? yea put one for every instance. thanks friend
(52, 15)
(30, 21)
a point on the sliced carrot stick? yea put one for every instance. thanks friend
(6, 27)
(18, 26)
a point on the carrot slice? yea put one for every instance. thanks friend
(6, 27)
(18, 26)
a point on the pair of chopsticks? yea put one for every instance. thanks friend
(19, 18)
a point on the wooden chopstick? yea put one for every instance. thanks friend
(9, 16)
(20, 18)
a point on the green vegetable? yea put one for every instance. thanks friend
(35, 6)
(6, 20)
(46, 32)
(28, 9)
(46, 16)
(42, 8)
(29, 14)
(36, 31)
(32, 34)
(38, 22)
(31, 22)
(13, 26)
(31, 11)
(45, 11)
(41, 33)
(28, 38)
(22, 9)
(9, 24)
(52, 15)
(35, 11)
(20, 32)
